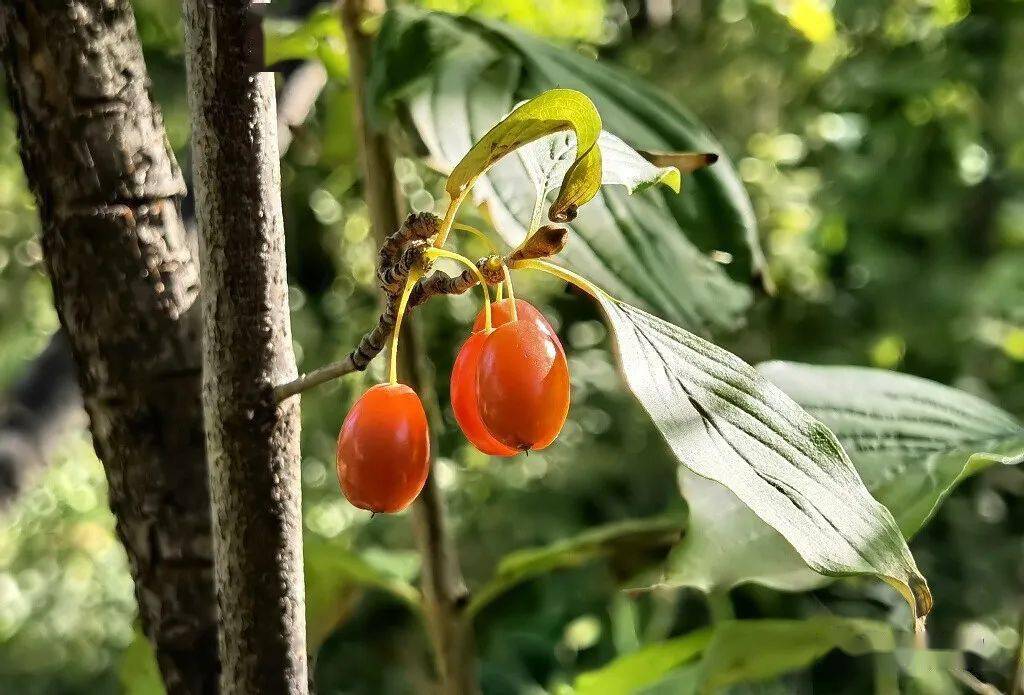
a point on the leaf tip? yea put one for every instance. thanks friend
(673, 179)
(923, 601)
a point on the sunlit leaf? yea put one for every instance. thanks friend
(733, 652)
(456, 77)
(743, 651)
(603, 541)
(646, 666)
(730, 545)
(547, 161)
(552, 111)
(316, 37)
(726, 422)
(911, 440)
(137, 671)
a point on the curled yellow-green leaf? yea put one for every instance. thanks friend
(553, 111)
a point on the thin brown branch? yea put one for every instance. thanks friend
(444, 590)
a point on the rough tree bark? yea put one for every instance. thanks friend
(107, 187)
(443, 585)
(252, 443)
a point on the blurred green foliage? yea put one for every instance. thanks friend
(882, 145)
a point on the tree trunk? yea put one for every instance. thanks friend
(252, 443)
(107, 187)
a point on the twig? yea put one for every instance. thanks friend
(391, 277)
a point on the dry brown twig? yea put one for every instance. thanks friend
(400, 254)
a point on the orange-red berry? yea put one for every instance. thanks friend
(523, 384)
(464, 401)
(384, 449)
(501, 313)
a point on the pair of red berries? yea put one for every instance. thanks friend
(509, 391)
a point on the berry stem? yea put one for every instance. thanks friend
(478, 234)
(433, 253)
(449, 217)
(410, 282)
(561, 273)
(511, 292)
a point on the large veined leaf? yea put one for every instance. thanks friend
(456, 77)
(727, 423)
(911, 440)
(735, 651)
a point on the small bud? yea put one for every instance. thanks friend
(492, 268)
(546, 241)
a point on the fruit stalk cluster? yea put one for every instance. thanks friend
(509, 384)
(403, 252)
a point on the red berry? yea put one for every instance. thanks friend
(501, 313)
(523, 385)
(464, 402)
(384, 449)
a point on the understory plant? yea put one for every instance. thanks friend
(793, 474)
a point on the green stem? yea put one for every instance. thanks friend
(433, 253)
(561, 273)
(511, 292)
(470, 229)
(720, 607)
(449, 218)
(403, 303)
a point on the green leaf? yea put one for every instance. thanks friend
(732, 546)
(547, 161)
(646, 666)
(735, 651)
(624, 166)
(742, 651)
(333, 571)
(455, 78)
(726, 422)
(552, 111)
(602, 541)
(137, 669)
(911, 440)
(306, 39)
